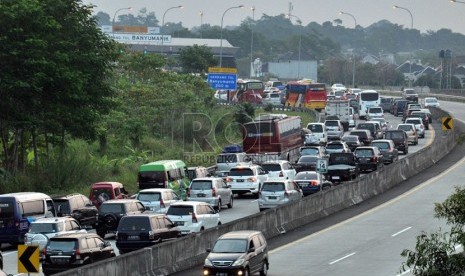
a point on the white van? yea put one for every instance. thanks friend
(319, 131)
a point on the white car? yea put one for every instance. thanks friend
(246, 179)
(318, 130)
(41, 230)
(431, 101)
(193, 216)
(280, 169)
(272, 98)
(337, 87)
(158, 199)
(275, 193)
(212, 190)
(418, 122)
(375, 112)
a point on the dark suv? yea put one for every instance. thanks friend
(143, 230)
(238, 253)
(69, 251)
(111, 212)
(369, 158)
(77, 206)
(400, 139)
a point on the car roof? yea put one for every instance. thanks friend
(206, 178)
(239, 234)
(54, 219)
(276, 162)
(189, 203)
(151, 190)
(149, 215)
(75, 235)
(67, 196)
(123, 200)
(365, 147)
(382, 140)
(114, 184)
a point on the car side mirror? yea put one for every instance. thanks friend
(208, 250)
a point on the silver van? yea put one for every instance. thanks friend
(157, 199)
(276, 193)
(212, 190)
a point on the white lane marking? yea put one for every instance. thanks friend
(340, 259)
(401, 231)
(405, 272)
(254, 200)
(379, 207)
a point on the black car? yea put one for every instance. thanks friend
(353, 141)
(311, 182)
(111, 212)
(398, 106)
(238, 253)
(143, 230)
(364, 135)
(369, 158)
(77, 206)
(69, 251)
(342, 167)
(400, 139)
(306, 163)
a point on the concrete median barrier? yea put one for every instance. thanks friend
(189, 251)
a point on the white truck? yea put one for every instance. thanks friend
(343, 110)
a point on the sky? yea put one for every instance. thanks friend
(427, 15)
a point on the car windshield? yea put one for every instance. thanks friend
(241, 172)
(381, 145)
(180, 210)
(431, 100)
(230, 246)
(44, 228)
(62, 206)
(146, 196)
(273, 187)
(271, 167)
(405, 127)
(334, 146)
(380, 120)
(7, 208)
(61, 245)
(394, 134)
(331, 123)
(307, 159)
(134, 224)
(112, 208)
(375, 110)
(316, 128)
(350, 138)
(153, 176)
(201, 185)
(306, 176)
(413, 121)
(309, 151)
(359, 133)
(364, 153)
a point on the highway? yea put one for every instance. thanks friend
(246, 206)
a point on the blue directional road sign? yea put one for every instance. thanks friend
(222, 81)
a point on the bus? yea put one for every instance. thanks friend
(366, 99)
(271, 137)
(18, 211)
(164, 174)
(248, 90)
(306, 94)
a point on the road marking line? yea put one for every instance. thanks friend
(401, 231)
(340, 259)
(390, 202)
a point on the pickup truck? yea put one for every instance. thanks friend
(342, 167)
(410, 95)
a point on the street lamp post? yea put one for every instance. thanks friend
(353, 56)
(201, 22)
(300, 41)
(113, 22)
(411, 27)
(221, 32)
(251, 40)
(163, 25)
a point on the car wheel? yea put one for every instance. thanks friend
(261, 209)
(218, 207)
(111, 221)
(264, 270)
(230, 205)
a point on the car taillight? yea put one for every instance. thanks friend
(374, 158)
(252, 179)
(228, 179)
(78, 254)
(194, 218)
(421, 126)
(162, 203)
(17, 224)
(44, 252)
(213, 192)
(314, 183)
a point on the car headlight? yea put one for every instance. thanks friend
(208, 262)
(239, 262)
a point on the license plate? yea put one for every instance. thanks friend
(178, 223)
(239, 180)
(336, 177)
(221, 274)
(200, 195)
(304, 185)
(60, 260)
(272, 197)
(133, 238)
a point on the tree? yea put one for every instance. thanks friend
(54, 75)
(197, 59)
(434, 253)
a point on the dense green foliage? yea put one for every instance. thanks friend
(435, 253)
(197, 59)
